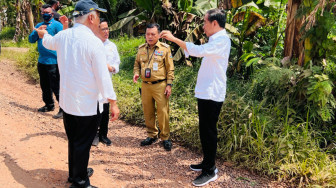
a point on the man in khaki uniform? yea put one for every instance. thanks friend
(154, 63)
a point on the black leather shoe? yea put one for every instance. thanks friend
(105, 140)
(59, 115)
(89, 186)
(89, 173)
(147, 141)
(167, 145)
(46, 108)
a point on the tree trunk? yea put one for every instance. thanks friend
(293, 44)
(30, 17)
(18, 31)
(225, 5)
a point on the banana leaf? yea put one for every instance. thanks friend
(121, 23)
(126, 14)
(201, 6)
(254, 23)
(192, 37)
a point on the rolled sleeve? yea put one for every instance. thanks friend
(208, 49)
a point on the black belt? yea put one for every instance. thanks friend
(155, 82)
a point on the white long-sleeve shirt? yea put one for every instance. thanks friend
(211, 79)
(112, 54)
(83, 74)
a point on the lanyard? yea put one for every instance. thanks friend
(150, 57)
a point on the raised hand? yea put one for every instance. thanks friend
(64, 21)
(167, 35)
(41, 30)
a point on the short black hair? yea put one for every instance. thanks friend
(218, 15)
(152, 25)
(46, 6)
(52, 2)
(103, 20)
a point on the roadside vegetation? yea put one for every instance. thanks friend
(278, 118)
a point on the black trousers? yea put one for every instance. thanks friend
(50, 82)
(208, 112)
(103, 127)
(80, 131)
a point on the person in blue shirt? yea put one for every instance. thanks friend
(47, 62)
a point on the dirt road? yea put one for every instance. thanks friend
(33, 149)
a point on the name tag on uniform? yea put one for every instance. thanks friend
(155, 66)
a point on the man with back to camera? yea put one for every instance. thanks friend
(113, 61)
(84, 78)
(47, 62)
(210, 87)
(154, 64)
(55, 5)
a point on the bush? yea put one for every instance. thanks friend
(29, 63)
(7, 33)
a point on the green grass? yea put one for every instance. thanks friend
(6, 39)
(11, 55)
(21, 44)
(25, 61)
(7, 33)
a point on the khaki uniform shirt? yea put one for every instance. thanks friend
(158, 59)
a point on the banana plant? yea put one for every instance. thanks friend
(250, 21)
(147, 11)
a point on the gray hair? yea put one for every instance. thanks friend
(82, 19)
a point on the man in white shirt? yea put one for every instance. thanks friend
(84, 76)
(210, 87)
(113, 61)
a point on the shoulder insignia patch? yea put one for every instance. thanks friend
(165, 45)
(142, 45)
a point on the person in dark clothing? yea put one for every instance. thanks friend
(55, 5)
(47, 62)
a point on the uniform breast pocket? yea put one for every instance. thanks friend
(158, 59)
(143, 58)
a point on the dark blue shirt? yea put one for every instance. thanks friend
(46, 56)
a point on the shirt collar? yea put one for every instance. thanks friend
(83, 27)
(216, 35)
(50, 21)
(156, 45)
(106, 41)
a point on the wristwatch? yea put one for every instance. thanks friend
(171, 85)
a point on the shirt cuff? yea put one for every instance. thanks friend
(186, 53)
(169, 81)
